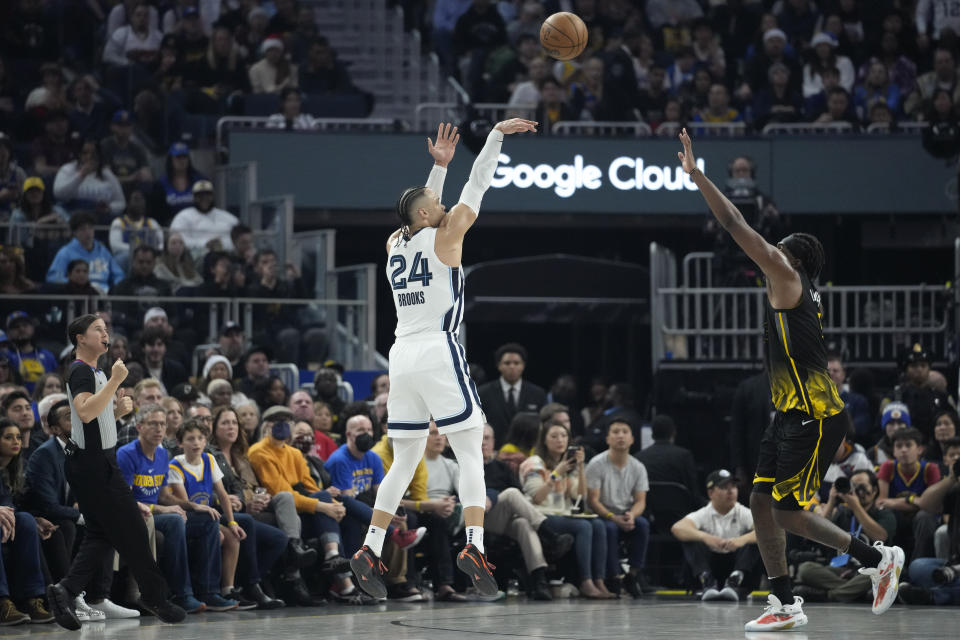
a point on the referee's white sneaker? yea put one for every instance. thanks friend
(778, 616)
(113, 611)
(885, 576)
(86, 613)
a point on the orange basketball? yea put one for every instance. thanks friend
(563, 35)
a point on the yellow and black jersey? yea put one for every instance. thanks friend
(796, 357)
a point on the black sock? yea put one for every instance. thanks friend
(865, 554)
(780, 587)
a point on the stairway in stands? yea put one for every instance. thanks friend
(382, 59)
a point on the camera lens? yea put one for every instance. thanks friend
(842, 484)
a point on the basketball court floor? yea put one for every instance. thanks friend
(515, 618)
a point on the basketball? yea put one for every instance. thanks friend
(563, 36)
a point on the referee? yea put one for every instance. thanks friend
(112, 517)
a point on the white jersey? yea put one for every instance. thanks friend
(427, 294)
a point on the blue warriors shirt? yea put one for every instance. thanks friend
(198, 480)
(145, 477)
(346, 472)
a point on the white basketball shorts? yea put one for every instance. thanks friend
(429, 378)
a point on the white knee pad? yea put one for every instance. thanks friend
(407, 453)
(466, 447)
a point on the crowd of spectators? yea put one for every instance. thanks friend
(753, 61)
(573, 495)
(174, 66)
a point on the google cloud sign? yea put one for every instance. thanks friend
(624, 173)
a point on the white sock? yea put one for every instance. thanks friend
(330, 554)
(374, 539)
(475, 537)
(226, 590)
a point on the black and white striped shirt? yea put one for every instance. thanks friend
(101, 432)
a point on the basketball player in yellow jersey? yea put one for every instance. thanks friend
(810, 422)
(429, 377)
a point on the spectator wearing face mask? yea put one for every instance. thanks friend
(281, 467)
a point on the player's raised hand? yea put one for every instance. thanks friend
(446, 145)
(516, 125)
(686, 157)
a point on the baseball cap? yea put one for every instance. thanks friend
(190, 12)
(153, 312)
(895, 411)
(277, 412)
(719, 478)
(122, 116)
(333, 364)
(185, 393)
(16, 317)
(230, 327)
(203, 186)
(914, 355)
(33, 182)
(178, 149)
(259, 349)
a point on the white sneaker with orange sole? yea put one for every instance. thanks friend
(778, 616)
(885, 577)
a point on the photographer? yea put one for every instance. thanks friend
(852, 506)
(934, 580)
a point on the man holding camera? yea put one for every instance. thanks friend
(935, 580)
(852, 506)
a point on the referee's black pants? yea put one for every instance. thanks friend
(114, 522)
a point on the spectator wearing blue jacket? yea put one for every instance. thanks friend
(876, 87)
(30, 361)
(105, 271)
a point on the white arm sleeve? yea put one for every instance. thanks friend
(481, 175)
(435, 180)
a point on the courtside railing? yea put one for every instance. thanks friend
(349, 339)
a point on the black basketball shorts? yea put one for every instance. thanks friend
(795, 453)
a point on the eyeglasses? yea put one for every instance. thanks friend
(203, 418)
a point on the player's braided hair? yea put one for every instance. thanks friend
(808, 250)
(407, 198)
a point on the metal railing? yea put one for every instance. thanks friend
(236, 187)
(694, 323)
(365, 125)
(807, 128)
(904, 128)
(497, 111)
(353, 335)
(600, 128)
(703, 129)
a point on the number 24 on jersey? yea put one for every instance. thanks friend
(419, 271)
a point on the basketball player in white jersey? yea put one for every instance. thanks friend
(429, 378)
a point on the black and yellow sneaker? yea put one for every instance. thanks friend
(10, 616)
(369, 571)
(474, 564)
